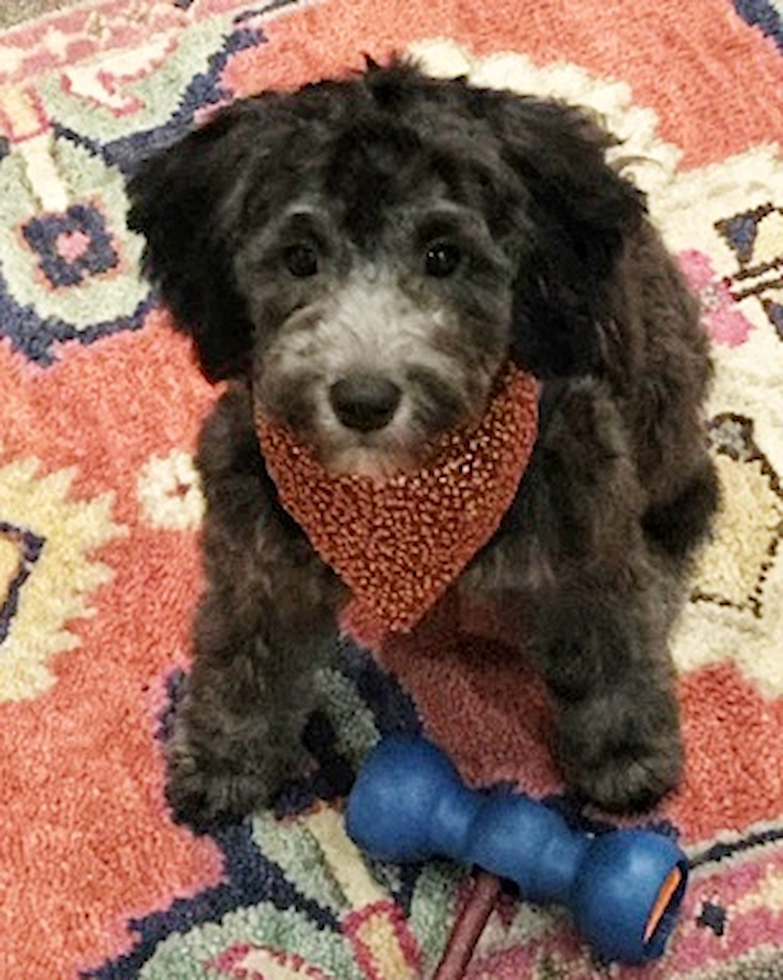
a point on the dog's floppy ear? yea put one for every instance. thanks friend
(582, 213)
(183, 201)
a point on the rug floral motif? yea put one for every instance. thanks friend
(100, 508)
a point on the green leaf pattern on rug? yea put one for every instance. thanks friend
(354, 725)
(264, 926)
(45, 176)
(294, 849)
(126, 92)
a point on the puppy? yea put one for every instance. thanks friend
(360, 259)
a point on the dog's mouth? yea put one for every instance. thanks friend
(383, 453)
(369, 461)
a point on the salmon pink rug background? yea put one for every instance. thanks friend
(100, 509)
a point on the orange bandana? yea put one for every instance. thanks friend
(399, 543)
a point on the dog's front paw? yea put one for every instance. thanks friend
(625, 757)
(205, 798)
(207, 791)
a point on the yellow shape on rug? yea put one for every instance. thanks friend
(746, 533)
(48, 571)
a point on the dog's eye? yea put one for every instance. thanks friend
(442, 260)
(301, 260)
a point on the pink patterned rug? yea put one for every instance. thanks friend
(100, 508)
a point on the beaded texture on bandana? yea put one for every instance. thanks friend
(400, 542)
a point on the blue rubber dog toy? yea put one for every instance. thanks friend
(623, 888)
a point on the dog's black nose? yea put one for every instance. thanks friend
(365, 402)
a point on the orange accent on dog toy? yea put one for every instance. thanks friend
(399, 542)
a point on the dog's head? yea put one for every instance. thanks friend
(370, 252)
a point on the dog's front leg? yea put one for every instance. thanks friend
(600, 604)
(602, 649)
(265, 624)
(238, 730)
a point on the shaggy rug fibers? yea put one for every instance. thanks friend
(100, 508)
